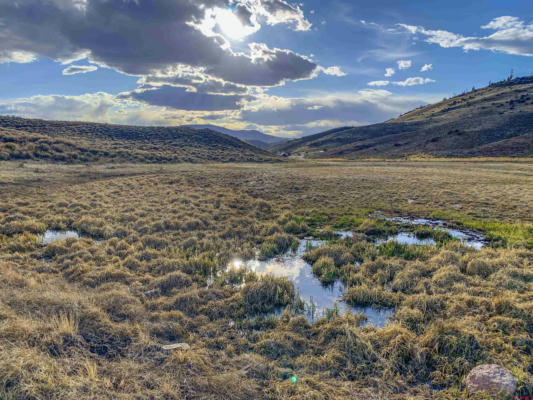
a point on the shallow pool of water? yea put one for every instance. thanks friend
(344, 234)
(377, 317)
(292, 266)
(51, 236)
(408, 239)
(469, 238)
(318, 298)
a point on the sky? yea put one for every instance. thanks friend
(284, 68)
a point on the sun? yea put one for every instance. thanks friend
(230, 25)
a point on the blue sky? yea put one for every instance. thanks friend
(285, 68)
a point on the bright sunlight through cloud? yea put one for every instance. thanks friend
(228, 24)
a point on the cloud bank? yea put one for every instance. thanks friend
(414, 81)
(144, 37)
(511, 36)
(271, 114)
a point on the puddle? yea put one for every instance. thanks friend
(408, 239)
(51, 236)
(317, 297)
(377, 317)
(469, 238)
(344, 234)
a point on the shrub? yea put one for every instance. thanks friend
(277, 244)
(267, 295)
(131, 263)
(445, 257)
(324, 269)
(103, 337)
(453, 351)
(400, 348)
(263, 207)
(411, 318)
(336, 253)
(429, 306)
(155, 242)
(277, 346)
(20, 226)
(405, 281)
(509, 279)
(295, 228)
(201, 265)
(395, 249)
(364, 296)
(375, 228)
(174, 280)
(479, 267)
(448, 276)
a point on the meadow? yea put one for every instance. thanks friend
(89, 318)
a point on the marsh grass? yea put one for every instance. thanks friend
(85, 318)
(65, 324)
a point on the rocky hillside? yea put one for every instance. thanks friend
(24, 139)
(493, 121)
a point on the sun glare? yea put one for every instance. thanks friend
(230, 25)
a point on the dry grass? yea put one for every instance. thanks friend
(85, 319)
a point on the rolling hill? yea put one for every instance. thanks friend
(493, 121)
(252, 137)
(25, 139)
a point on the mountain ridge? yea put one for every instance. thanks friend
(253, 137)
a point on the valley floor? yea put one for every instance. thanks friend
(87, 317)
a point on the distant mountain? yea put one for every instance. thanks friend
(493, 121)
(27, 139)
(255, 138)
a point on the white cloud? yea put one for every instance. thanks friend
(85, 107)
(414, 81)
(19, 57)
(333, 71)
(280, 12)
(389, 72)
(404, 64)
(378, 83)
(104, 107)
(506, 22)
(426, 68)
(512, 36)
(79, 69)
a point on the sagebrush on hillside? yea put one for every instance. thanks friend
(79, 142)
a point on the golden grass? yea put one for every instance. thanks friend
(87, 318)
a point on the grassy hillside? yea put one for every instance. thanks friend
(24, 139)
(494, 121)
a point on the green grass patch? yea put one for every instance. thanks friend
(504, 233)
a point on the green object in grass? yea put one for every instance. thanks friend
(294, 380)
